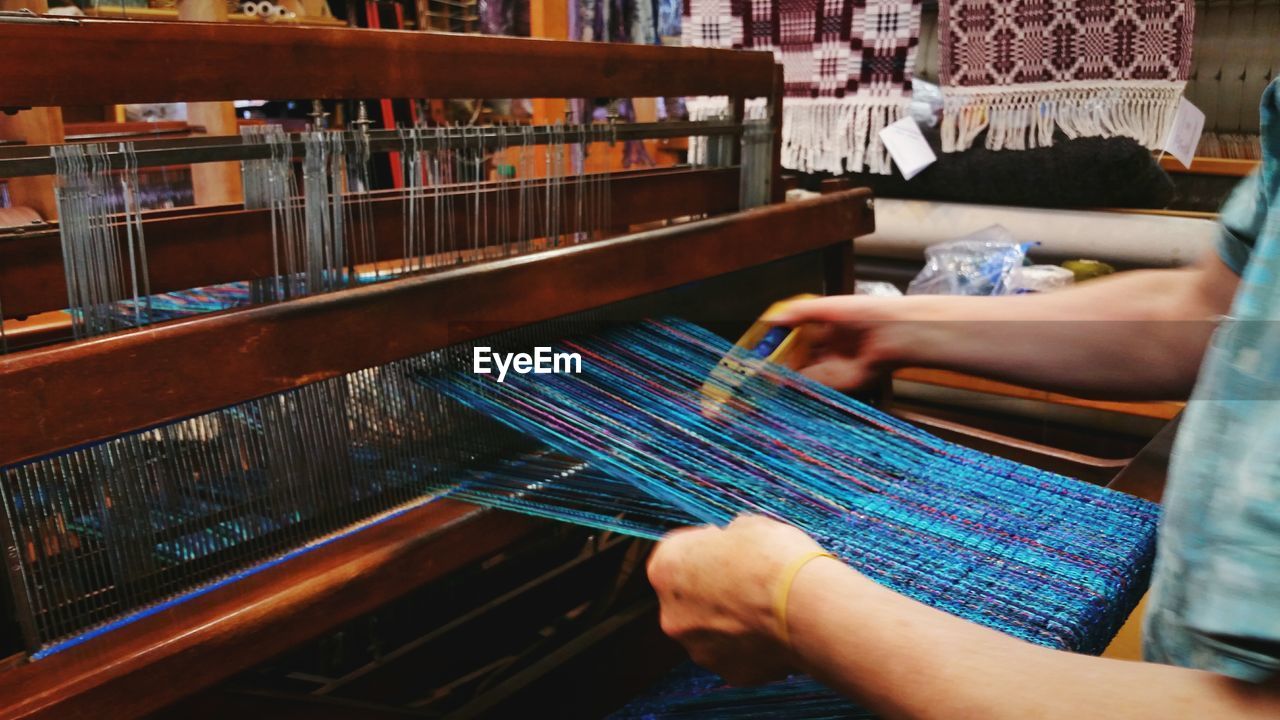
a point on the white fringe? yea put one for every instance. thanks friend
(835, 135)
(1022, 118)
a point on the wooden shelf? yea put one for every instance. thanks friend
(1210, 166)
(132, 13)
(1193, 214)
(128, 130)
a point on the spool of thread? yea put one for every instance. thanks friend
(1088, 269)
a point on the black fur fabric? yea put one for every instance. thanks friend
(1080, 173)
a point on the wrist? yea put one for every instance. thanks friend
(783, 587)
(823, 587)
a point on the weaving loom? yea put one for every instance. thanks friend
(229, 468)
(254, 426)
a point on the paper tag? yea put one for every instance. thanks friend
(1184, 136)
(906, 144)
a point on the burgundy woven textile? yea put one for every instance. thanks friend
(1020, 69)
(848, 66)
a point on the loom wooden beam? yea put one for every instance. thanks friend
(157, 660)
(43, 65)
(75, 393)
(187, 250)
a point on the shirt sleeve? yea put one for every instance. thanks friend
(1240, 222)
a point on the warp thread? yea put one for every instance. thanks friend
(691, 692)
(1045, 558)
(104, 259)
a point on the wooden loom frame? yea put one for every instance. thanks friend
(212, 361)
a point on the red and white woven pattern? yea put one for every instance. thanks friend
(847, 65)
(839, 47)
(1021, 68)
(713, 24)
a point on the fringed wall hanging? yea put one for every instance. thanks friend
(848, 66)
(1021, 69)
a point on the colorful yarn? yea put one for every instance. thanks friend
(691, 692)
(1042, 557)
(186, 303)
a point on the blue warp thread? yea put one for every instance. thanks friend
(1045, 558)
(691, 692)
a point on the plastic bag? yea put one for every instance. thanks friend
(926, 103)
(977, 264)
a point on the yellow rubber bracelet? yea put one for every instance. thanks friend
(784, 589)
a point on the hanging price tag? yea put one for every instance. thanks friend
(1184, 135)
(906, 144)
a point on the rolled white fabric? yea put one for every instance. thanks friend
(904, 228)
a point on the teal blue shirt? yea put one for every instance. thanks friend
(1215, 600)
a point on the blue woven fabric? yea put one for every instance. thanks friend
(1042, 557)
(691, 692)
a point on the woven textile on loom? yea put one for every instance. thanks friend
(1021, 68)
(1045, 558)
(691, 692)
(847, 65)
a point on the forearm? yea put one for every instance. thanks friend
(906, 660)
(1139, 334)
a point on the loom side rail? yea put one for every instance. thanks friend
(43, 65)
(150, 663)
(176, 370)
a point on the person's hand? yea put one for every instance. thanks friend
(853, 339)
(717, 588)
